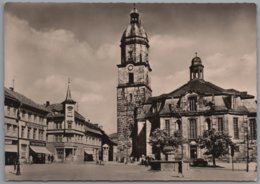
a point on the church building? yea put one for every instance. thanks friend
(192, 108)
(197, 106)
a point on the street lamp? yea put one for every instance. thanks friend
(18, 171)
(247, 148)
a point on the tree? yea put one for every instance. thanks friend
(216, 143)
(160, 139)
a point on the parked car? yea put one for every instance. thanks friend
(199, 162)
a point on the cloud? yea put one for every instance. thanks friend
(41, 53)
(42, 61)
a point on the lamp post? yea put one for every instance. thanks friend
(247, 152)
(247, 148)
(18, 171)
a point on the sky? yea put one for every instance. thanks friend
(47, 43)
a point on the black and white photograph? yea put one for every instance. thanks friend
(130, 91)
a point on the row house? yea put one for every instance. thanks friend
(30, 119)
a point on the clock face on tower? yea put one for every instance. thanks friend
(130, 67)
(69, 108)
(69, 111)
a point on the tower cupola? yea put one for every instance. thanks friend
(134, 16)
(196, 68)
(134, 41)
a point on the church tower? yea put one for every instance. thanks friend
(134, 83)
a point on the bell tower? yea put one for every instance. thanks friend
(134, 83)
(196, 68)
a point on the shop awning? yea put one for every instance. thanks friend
(11, 148)
(88, 152)
(39, 149)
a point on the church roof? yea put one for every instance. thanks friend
(201, 87)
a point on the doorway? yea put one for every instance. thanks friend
(193, 151)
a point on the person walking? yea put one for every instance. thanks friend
(49, 159)
(15, 162)
(180, 174)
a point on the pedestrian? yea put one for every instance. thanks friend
(49, 158)
(180, 174)
(52, 158)
(31, 159)
(14, 160)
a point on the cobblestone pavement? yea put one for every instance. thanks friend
(118, 171)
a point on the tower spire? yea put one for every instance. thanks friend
(68, 95)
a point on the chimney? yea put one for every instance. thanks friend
(47, 103)
(11, 88)
(101, 127)
(96, 124)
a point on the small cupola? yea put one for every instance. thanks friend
(134, 16)
(196, 68)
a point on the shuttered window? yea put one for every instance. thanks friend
(167, 126)
(235, 126)
(252, 126)
(220, 125)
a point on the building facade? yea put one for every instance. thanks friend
(134, 84)
(30, 119)
(69, 136)
(197, 106)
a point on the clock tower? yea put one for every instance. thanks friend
(69, 109)
(134, 84)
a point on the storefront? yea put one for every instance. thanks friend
(10, 154)
(38, 152)
(89, 155)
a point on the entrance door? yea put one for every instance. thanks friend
(193, 151)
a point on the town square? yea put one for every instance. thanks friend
(130, 92)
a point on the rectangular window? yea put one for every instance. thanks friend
(14, 111)
(58, 138)
(252, 127)
(193, 129)
(193, 103)
(8, 110)
(70, 124)
(131, 97)
(14, 129)
(8, 127)
(59, 125)
(131, 78)
(34, 133)
(167, 126)
(220, 125)
(22, 131)
(23, 114)
(236, 131)
(40, 135)
(29, 117)
(35, 118)
(28, 133)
